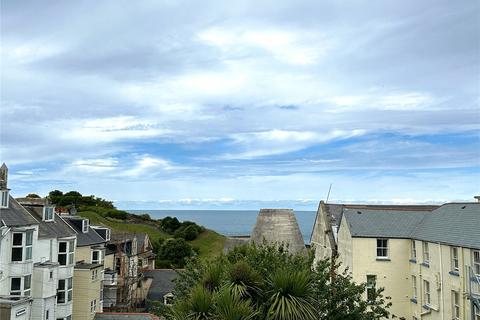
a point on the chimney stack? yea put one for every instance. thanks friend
(477, 197)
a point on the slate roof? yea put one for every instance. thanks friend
(335, 211)
(456, 224)
(83, 239)
(162, 283)
(382, 223)
(50, 229)
(16, 215)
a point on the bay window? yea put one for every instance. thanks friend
(64, 291)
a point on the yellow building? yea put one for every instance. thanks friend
(87, 292)
(89, 268)
(428, 262)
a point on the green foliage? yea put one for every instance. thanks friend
(266, 282)
(175, 251)
(189, 233)
(33, 196)
(170, 224)
(145, 216)
(75, 198)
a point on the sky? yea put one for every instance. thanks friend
(242, 104)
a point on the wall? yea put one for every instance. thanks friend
(320, 237)
(392, 274)
(84, 291)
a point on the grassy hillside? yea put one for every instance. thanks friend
(208, 243)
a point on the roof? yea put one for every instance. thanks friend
(454, 224)
(125, 315)
(57, 228)
(162, 282)
(83, 239)
(16, 215)
(87, 266)
(335, 211)
(382, 223)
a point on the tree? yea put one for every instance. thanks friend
(33, 196)
(267, 282)
(173, 252)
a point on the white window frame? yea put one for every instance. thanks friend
(107, 234)
(476, 312)
(454, 259)
(94, 274)
(25, 288)
(414, 250)
(382, 248)
(414, 287)
(66, 289)
(18, 246)
(426, 293)
(371, 285)
(93, 305)
(48, 213)
(4, 199)
(28, 245)
(99, 259)
(85, 225)
(455, 305)
(425, 252)
(476, 262)
(69, 252)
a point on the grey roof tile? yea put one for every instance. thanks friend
(16, 215)
(162, 283)
(57, 228)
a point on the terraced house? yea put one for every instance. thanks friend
(37, 249)
(428, 260)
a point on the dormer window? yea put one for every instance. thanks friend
(85, 225)
(4, 199)
(48, 213)
(107, 234)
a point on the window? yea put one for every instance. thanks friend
(64, 292)
(97, 256)
(426, 292)
(414, 287)
(28, 244)
(426, 253)
(47, 314)
(371, 287)
(16, 287)
(17, 247)
(48, 213)
(476, 262)
(93, 306)
(107, 234)
(4, 203)
(382, 248)
(66, 249)
(51, 275)
(477, 312)
(85, 225)
(455, 305)
(94, 274)
(454, 256)
(71, 251)
(414, 250)
(27, 284)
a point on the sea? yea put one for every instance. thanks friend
(230, 222)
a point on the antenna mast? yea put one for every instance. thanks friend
(328, 195)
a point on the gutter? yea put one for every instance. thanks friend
(441, 280)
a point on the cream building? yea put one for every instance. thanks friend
(89, 268)
(428, 262)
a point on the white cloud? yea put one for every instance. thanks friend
(291, 47)
(260, 144)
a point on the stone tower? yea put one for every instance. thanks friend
(3, 177)
(278, 226)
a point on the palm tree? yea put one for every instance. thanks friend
(290, 296)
